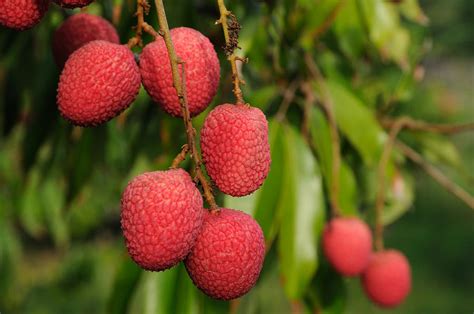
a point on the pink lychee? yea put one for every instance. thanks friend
(387, 279)
(162, 212)
(235, 148)
(71, 4)
(347, 244)
(22, 14)
(201, 68)
(99, 80)
(227, 258)
(77, 31)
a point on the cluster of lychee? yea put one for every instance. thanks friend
(24, 14)
(162, 212)
(385, 274)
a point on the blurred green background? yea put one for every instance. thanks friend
(61, 249)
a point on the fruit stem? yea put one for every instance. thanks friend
(231, 29)
(179, 83)
(382, 168)
(142, 8)
(327, 106)
(180, 157)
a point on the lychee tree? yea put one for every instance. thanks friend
(262, 173)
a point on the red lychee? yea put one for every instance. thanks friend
(77, 31)
(387, 279)
(227, 258)
(99, 80)
(71, 4)
(201, 68)
(235, 148)
(162, 212)
(22, 14)
(347, 244)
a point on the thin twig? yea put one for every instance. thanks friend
(417, 125)
(327, 106)
(179, 83)
(437, 175)
(382, 167)
(231, 28)
(328, 21)
(142, 9)
(180, 157)
(288, 97)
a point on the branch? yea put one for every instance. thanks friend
(180, 157)
(330, 18)
(231, 29)
(327, 106)
(142, 8)
(179, 83)
(417, 125)
(437, 175)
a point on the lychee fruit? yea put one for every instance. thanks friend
(162, 212)
(78, 30)
(347, 244)
(99, 80)
(387, 279)
(235, 148)
(71, 4)
(227, 258)
(202, 71)
(22, 14)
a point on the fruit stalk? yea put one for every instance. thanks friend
(327, 106)
(142, 8)
(179, 83)
(382, 167)
(231, 42)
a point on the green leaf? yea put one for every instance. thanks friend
(349, 30)
(126, 280)
(186, 298)
(357, 123)
(31, 209)
(302, 214)
(264, 203)
(327, 294)
(322, 142)
(53, 196)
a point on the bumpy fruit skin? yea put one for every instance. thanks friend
(71, 4)
(235, 148)
(22, 14)
(99, 80)
(162, 213)
(387, 279)
(77, 31)
(201, 66)
(227, 258)
(347, 244)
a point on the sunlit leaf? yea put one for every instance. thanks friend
(302, 214)
(357, 123)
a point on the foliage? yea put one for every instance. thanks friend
(60, 186)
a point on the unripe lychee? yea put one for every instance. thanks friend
(71, 4)
(22, 14)
(235, 148)
(347, 244)
(227, 258)
(99, 80)
(162, 213)
(77, 31)
(201, 68)
(387, 279)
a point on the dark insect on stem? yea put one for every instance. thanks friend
(234, 29)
